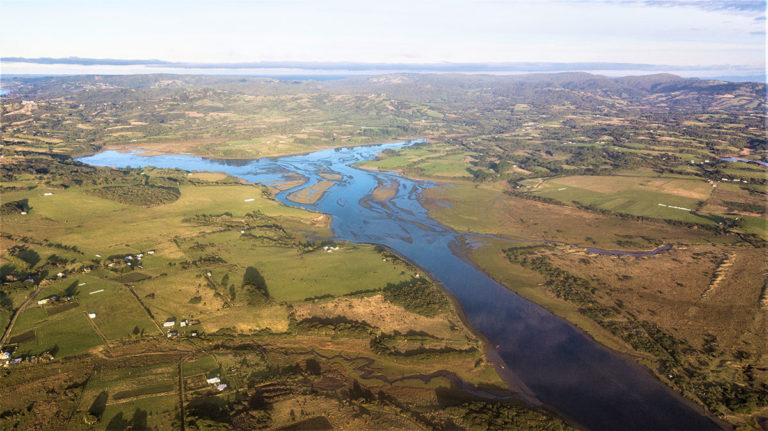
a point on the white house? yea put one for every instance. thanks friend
(92, 315)
(213, 380)
(42, 301)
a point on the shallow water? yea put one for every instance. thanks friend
(560, 365)
(737, 159)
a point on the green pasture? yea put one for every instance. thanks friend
(144, 388)
(103, 226)
(69, 331)
(202, 365)
(292, 275)
(161, 410)
(630, 201)
(66, 325)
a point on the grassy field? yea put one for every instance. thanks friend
(67, 333)
(202, 365)
(161, 412)
(641, 196)
(118, 315)
(145, 391)
(485, 209)
(105, 227)
(432, 161)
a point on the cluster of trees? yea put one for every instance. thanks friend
(138, 194)
(333, 326)
(506, 415)
(417, 295)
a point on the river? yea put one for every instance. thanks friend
(560, 365)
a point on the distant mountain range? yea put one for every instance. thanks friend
(726, 72)
(661, 91)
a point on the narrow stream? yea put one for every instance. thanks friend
(557, 362)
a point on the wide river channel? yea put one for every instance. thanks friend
(560, 365)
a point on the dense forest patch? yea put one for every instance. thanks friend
(141, 195)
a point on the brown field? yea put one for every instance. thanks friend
(376, 311)
(673, 290)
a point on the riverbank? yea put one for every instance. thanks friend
(529, 285)
(563, 367)
(630, 318)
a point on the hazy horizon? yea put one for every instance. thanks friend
(690, 35)
(337, 70)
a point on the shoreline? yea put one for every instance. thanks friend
(630, 356)
(515, 384)
(617, 347)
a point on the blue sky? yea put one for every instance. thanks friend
(684, 32)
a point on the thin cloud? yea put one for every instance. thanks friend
(741, 6)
